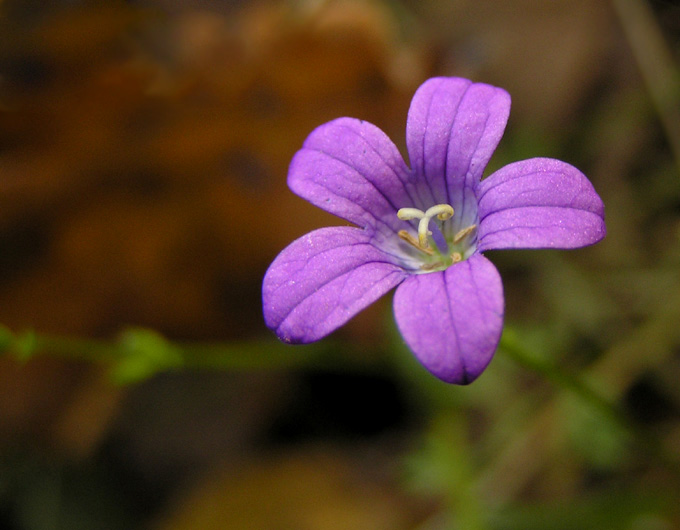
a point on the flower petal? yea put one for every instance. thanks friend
(452, 130)
(351, 168)
(323, 279)
(452, 320)
(539, 203)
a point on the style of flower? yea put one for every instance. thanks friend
(423, 229)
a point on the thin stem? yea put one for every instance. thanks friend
(512, 347)
(656, 64)
(140, 353)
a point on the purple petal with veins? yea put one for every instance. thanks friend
(452, 319)
(322, 280)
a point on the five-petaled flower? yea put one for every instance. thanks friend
(423, 229)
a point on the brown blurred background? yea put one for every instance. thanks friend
(144, 147)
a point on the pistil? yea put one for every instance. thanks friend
(442, 255)
(441, 211)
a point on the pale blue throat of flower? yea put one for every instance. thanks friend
(438, 251)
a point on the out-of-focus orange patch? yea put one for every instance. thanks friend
(143, 162)
(152, 156)
(317, 488)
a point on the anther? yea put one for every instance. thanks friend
(403, 234)
(462, 234)
(430, 266)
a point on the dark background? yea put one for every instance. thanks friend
(143, 156)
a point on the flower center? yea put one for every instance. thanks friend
(438, 255)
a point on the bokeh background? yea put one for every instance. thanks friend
(144, 147)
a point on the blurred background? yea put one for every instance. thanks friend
(144, 148)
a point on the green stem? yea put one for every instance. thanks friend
(140, 353)
(513, 348)
(656, 63)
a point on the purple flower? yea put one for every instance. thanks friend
(423, 229)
